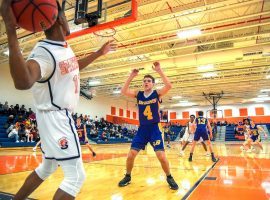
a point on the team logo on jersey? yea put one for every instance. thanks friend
(63, 143)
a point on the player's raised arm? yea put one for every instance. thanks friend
(24, 74)
(167, 83)
(125, 89)
(107, 47)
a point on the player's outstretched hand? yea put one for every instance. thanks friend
(7, 14)
(156, 67)
(107, 47)
(134, 73)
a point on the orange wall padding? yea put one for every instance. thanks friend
(257, 119)
(172, 115)
(228, 112)
(113, 111)
(259, 111)
(134, 115)
(243, 112)
(121, 120)
(185, 115)
(121, 112)
(128, 113)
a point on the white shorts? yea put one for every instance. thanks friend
(188, 137)
(58, 136)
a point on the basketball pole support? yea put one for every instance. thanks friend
(213, 99)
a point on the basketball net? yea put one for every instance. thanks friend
(105, 35)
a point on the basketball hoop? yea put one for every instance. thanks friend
(105, 33)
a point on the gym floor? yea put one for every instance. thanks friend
(236, 175)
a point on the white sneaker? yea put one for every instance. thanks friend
(17, 141)
(169, 146)
(242, 148)
(34, 149)
(182, 153)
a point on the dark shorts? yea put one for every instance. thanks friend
(201, 134)
(148, 133)
(82, 141)
(255, 138)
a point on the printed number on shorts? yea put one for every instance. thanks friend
(147, 112)
(156, 143)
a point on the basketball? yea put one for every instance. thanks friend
(35, 15)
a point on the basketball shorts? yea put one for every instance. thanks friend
(201, 134)
(59, 139)
(83, 141)
(255, 138)
(189, 137)
(148, 133)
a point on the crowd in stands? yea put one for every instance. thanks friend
(21, 123)
(22, 127)
(104, 130)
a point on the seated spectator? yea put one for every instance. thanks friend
(12, 111)
(17, 108)
(22, 110)
(104, 136)
(29, 134)
(21, 131)
(93, 133)
(6, 107)
(2, 109)
(9, 121)
(14, 133)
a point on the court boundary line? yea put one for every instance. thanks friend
(12, 195)
(199, 181)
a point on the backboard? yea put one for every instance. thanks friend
(102, 14)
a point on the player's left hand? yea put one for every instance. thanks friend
(7, 14)
(211, 136)
(107, 47)
(156, 67)
(266, 136)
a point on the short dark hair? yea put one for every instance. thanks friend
(149, 76)
(192, 116)
(200, 113)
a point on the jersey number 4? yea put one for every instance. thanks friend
(147, 112)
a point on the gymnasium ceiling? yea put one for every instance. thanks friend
(231, 55)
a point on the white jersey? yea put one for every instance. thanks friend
(60, 84)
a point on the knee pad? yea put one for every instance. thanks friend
(73, 180)
(46, 168)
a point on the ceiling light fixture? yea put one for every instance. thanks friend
(189, 33)
(209, 75)
(205, 67)
(94, 82)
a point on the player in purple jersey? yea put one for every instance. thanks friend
(81, 130)
(148, 105)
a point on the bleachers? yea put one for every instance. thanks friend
(7, 142)
(176, 130)
(231, 136)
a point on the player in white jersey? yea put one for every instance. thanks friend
(52, 71)
(188, 136)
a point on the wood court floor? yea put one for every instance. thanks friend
(236, 175)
